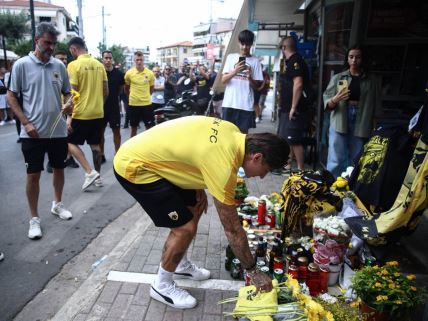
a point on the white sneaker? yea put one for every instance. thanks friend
(99, 182)
(61, 211)
(173, 296)
(257, 120)
(2, 123)
(1, 256)
(90, 179)
(35, 231)
(192, 272)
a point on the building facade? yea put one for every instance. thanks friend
(44, 12)
(175, 54)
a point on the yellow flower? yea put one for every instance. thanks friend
(381, 298)
(413, 288)
(329, 316)
(377, 285)
(392, 263)
(391, 285)
(411, 277)
(397, 274)
(398, 302)
(384, 272)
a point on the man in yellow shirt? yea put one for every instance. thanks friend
(89, 78)
(139, 86)
(167, 168)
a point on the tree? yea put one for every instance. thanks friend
(12, 27)
(116, 51)
(23, 47)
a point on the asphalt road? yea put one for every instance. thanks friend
(30, 264)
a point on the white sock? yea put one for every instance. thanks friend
(164, 278)
(184, 261)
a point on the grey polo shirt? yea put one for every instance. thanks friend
(40, 86)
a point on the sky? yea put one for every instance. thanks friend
(153, 23)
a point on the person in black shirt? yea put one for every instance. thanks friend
(111, 105)
(203, 86)
(185, 81)
(170, 83)
(295, 89)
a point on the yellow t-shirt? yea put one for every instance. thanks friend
(193, 152)
(139, 83)
(88, 75)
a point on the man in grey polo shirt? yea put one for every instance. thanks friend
(40, 80)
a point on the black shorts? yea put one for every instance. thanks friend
(141, 113)
(156, 106)
(243, 119)
(293, 131)
(165, 203)
(112, 116)
(34, 150)
(89, 130)
(257, 95)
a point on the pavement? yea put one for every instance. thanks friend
(127, 254)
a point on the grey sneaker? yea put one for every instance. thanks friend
(173, 296)
(192, 271)
(35, 232)
(61, 211)
(90, 179)
(99, 182)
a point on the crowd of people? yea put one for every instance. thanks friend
(76, 101)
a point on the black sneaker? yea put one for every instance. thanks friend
(49, 168)
(103, 159)
(125, 126)
(19, 140)
(71, 163)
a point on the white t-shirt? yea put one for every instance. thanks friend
(238, 93)
(158, 95)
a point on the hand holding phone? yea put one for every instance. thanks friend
(342, 85)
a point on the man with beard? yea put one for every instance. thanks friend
(42, 76)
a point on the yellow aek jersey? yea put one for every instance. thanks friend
(193, 152)
(139, 83)
(88, 75)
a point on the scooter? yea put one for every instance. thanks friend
(185, 104)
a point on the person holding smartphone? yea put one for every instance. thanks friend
(242, 74)
(353, 99)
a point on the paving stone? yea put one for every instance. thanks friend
(156, 311)
(94, 318)
(136, 313)
(201, 240)
(137, 263)
(80, 317)
(100, 309)
(129, 288)
(88, 305)
(128, 255)
(215, 274)
(194, 314)
(121, 266)
(211, 317)
(109, 292)
(120, 306)
(154, 257)
(149, 268)
(211, 305)
(213, 262)
(176, 315)
(142, 297)
(198, 253)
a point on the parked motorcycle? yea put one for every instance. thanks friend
(185, 104)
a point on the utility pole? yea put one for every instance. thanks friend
(104, 29)
(79, 8)
(33, 23)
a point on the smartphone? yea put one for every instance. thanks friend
(241, 59)
(342, 85)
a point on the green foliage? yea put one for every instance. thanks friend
(241, 190)
(22, 47)
(63, 46)
(13, 26)
(343, 311)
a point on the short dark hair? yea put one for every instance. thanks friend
(77, 42)
(60, 52)
(106, 51)
(246, 37)
(292, 43)
(139, 53)
(275, 150)
(46, 27)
